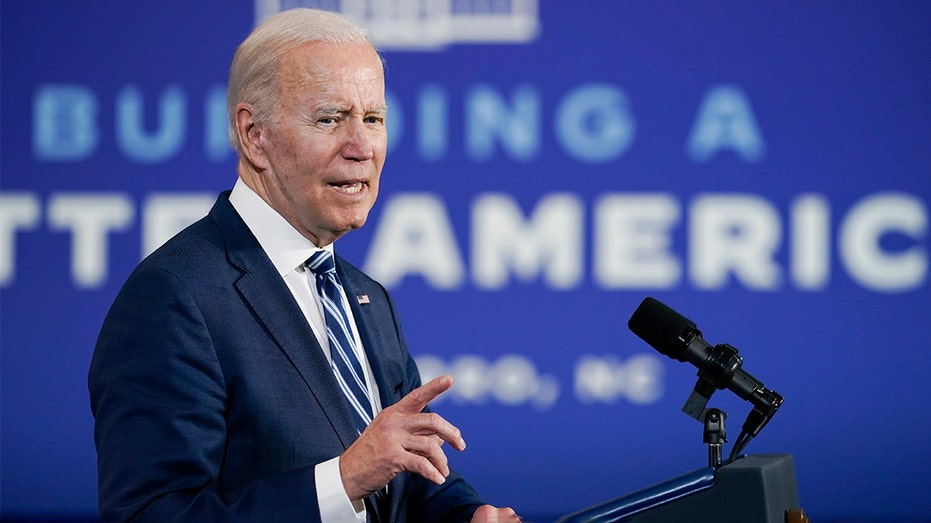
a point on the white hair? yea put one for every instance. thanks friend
(254, 73)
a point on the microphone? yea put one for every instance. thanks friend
(719, 366)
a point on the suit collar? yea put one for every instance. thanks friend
(282, 243)
(265, 291)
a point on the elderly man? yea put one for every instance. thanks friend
(246, 373)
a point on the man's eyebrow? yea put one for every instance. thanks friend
(333, 110)
(330, 109)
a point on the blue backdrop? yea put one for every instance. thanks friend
(763, 168)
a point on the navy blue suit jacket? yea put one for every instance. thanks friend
(213, 400)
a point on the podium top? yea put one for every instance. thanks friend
(645, 499)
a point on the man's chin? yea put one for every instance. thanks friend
(339, 229)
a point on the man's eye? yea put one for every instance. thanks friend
(327, 120)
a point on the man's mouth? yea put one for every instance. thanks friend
(349, 188)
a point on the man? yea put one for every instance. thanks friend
(219, 385)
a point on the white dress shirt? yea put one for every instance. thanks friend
(288, 250)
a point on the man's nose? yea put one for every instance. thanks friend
(358, 142)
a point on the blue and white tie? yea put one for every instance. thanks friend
(343, 355)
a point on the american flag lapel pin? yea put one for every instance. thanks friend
(363, 299)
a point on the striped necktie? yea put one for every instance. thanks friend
(343, 356)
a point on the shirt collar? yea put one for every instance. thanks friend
(287, 248)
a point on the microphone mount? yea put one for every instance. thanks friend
(715, 435)
(715, 373)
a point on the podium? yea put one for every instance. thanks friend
(752, 489)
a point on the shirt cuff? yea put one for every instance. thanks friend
(335, 506)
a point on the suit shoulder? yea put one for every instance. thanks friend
(198, 246)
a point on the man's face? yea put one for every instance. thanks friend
(327, 146)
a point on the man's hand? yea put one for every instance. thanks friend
(490, 514)
(401, 438)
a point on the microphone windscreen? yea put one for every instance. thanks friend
(660, 326)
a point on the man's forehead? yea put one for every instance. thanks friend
(335, 80)
(316, 61)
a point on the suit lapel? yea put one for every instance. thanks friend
(374, 319)
(370, 313)
(274, 305)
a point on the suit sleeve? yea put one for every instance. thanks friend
(159, 400)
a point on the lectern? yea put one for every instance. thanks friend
(751, 489)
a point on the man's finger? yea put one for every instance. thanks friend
(421, 396)
(430, 447)
(423, 466)
(424, 424)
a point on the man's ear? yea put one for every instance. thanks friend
(251, 141)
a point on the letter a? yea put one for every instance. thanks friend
(725, 121)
